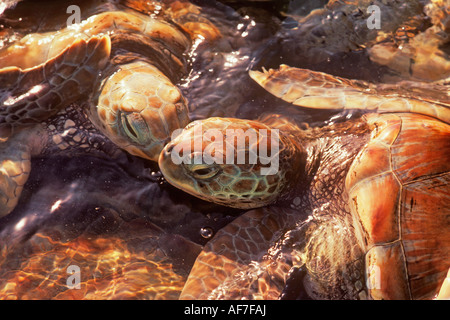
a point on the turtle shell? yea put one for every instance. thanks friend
(399, 190)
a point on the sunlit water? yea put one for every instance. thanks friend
(130, 233)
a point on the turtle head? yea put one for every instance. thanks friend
(139, 108)
(232, 162)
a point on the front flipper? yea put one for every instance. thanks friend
(15, 165)
(243, 260)
(32, 95)
(318, 90)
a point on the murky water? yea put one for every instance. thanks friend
(130, 234)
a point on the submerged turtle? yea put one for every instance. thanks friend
(119, 67)
(357, 209)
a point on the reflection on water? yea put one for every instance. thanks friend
(130, 233)
(110, 267)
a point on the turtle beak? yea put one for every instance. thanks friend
(172, 170)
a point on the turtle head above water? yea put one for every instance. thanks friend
(233, 162)
(139, 108)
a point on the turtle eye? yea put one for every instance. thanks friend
(203, 171)
(134, 126)
(128, 128)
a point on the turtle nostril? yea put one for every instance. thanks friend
(169, 149)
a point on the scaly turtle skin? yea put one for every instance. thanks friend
(119, 66)
(359, 209)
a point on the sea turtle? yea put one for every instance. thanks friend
(355, 209)
(43, 231)
(104, 82)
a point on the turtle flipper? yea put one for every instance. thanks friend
(14, 172)
(319, 90)
(16, 151)
(236, 263)
(32, 95)
(15, 166)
